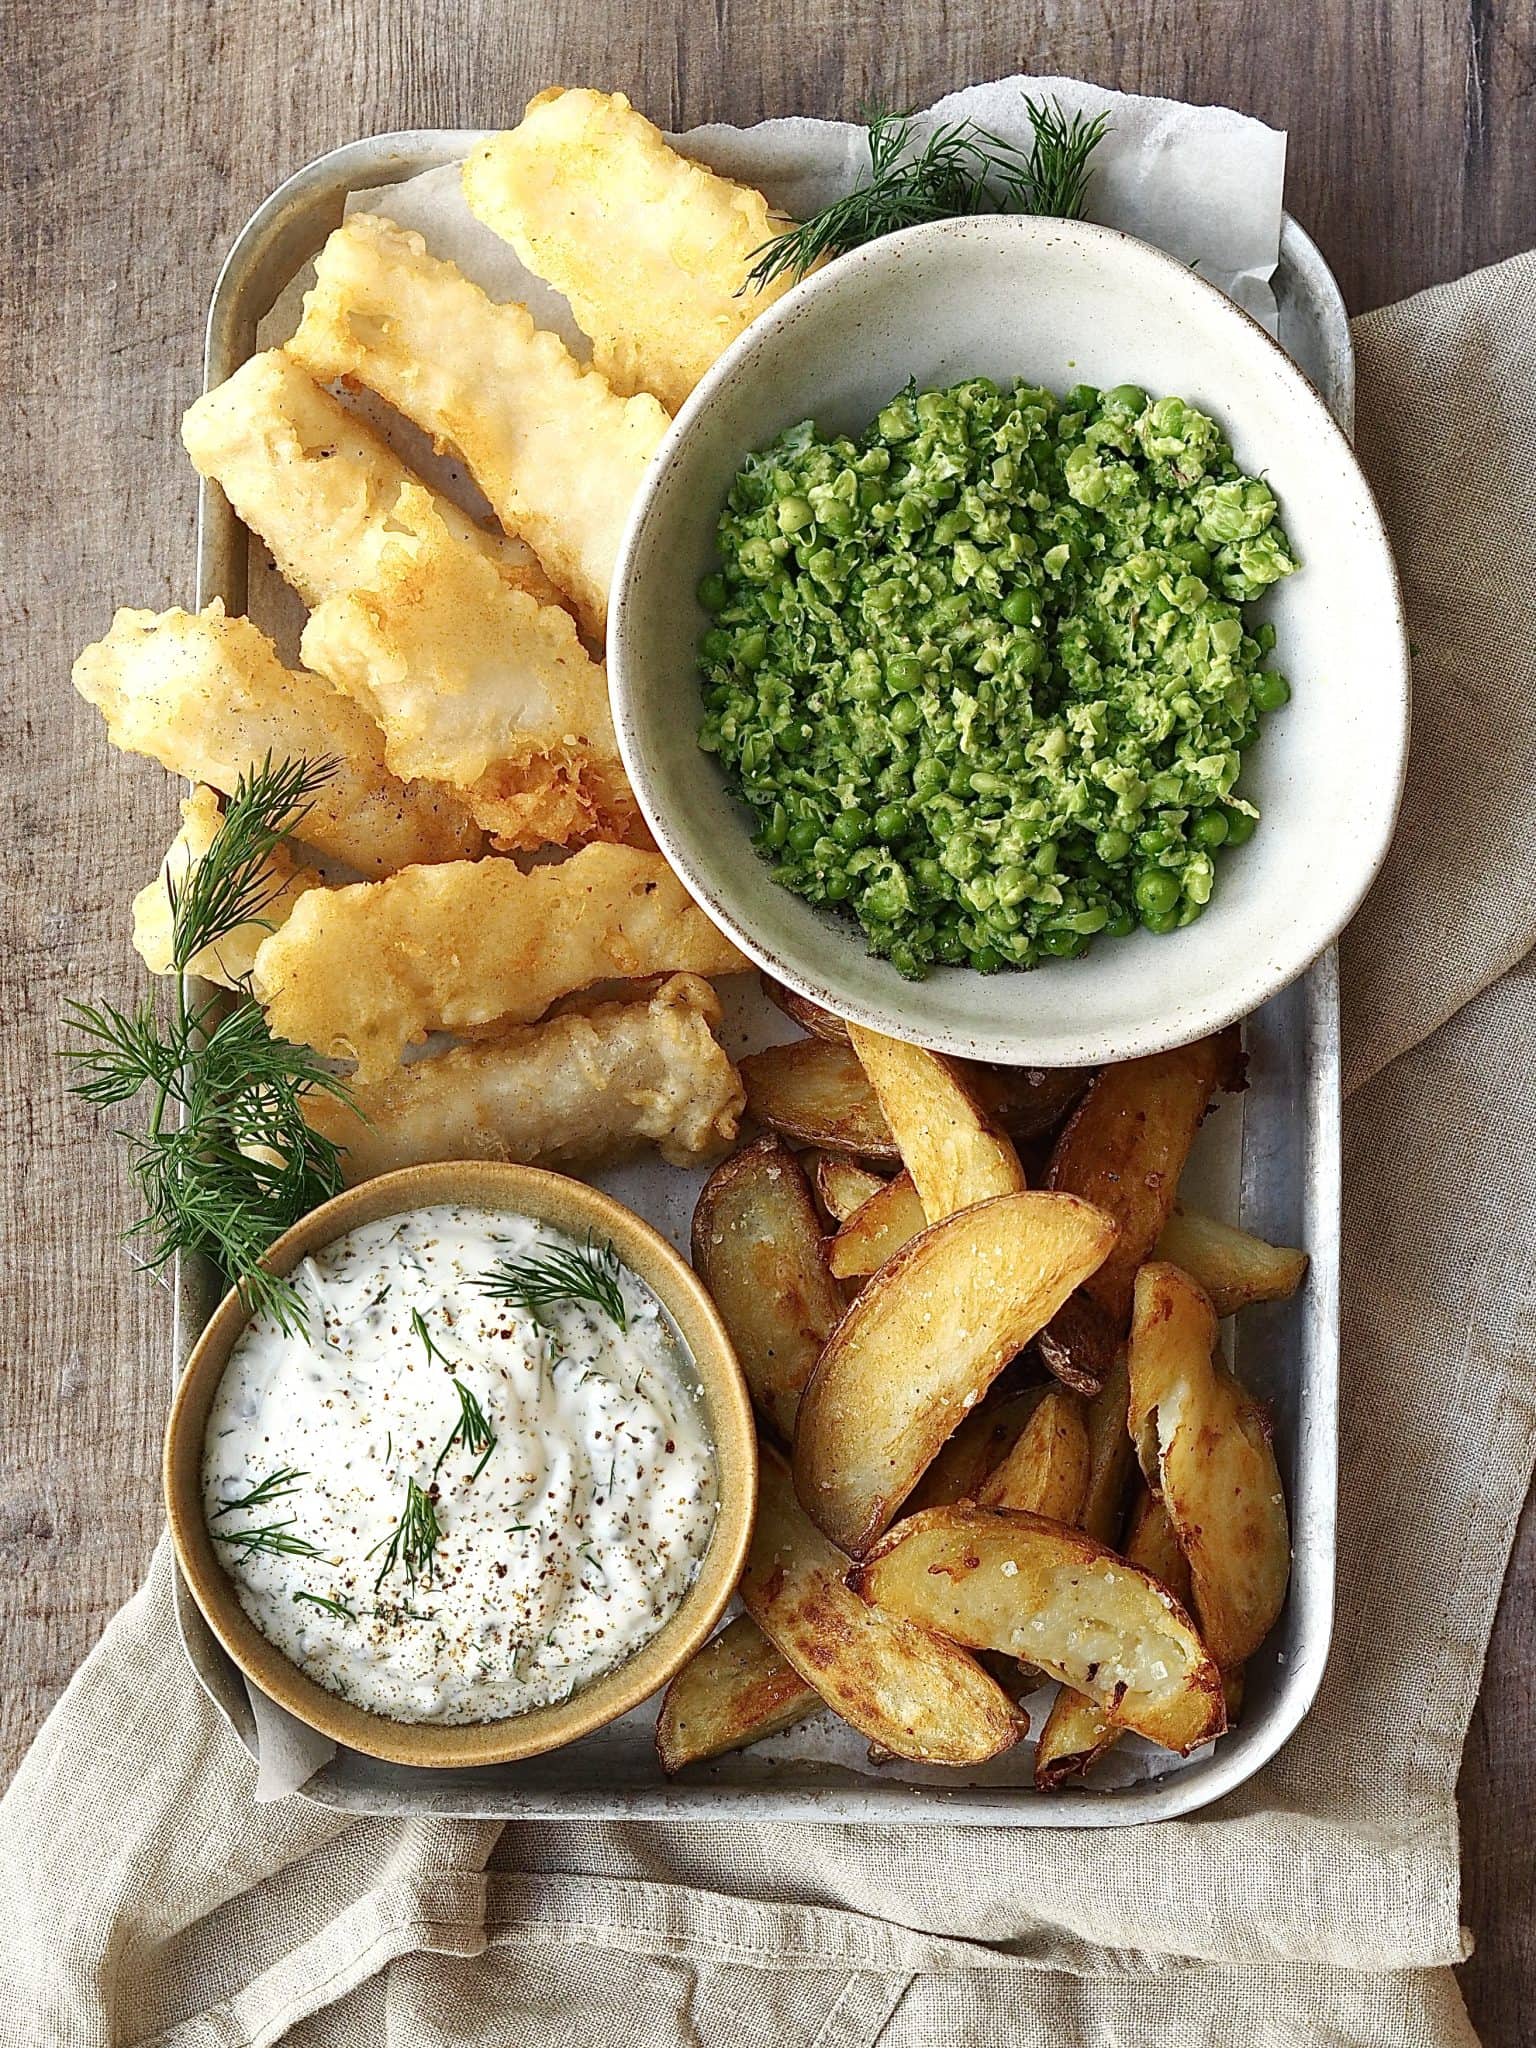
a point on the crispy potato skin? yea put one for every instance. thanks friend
(1079, 1344)
(922, 1344)
(974, 1450)
(815, 1093)
(842, 1185)
(1028, 1102)
(811, 1017)
(1235, 1268)
(1125, 1146)
(737, 1690)
(955, 1155)
(1111, 1456)
(757, 1247)
(1204, 1449)
(994, 1580)
(904, 1688)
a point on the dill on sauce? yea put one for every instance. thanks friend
(413, 1541)
(272, 1539)
(543, 1280)
(275, 1486)
(960, 168)
(336, 1607)
(472, 1429)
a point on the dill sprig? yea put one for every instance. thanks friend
(960, 168)
(434, 1355)
(337, 1607)
(275, 1486)
(414, 1539)
(227, 1161)
(273, 1538)
(472, 1429)
(542, 1280)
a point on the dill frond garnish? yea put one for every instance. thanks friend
(275, 1486)
(413, 1541)
(543, 1280)
(337, 1607)
(960, 169)
(434, 1356)
(273, 1538)
(472, 1429)
(227, 1161)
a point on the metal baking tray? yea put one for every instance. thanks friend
(1282, 1173)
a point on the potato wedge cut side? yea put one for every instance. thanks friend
(877, 1230)
(1235, 1268)
(955, 1154)
(911, 1692)
(1111, 1457)
(992, 1580)
(1126, 1144)
(816, 1093)
(842, 1185)
(737, 1690)
(973, 1452)
(1077, 1730)
(1045, 1471)
(922, 1344)
(757, 1246)
(1205, 1450)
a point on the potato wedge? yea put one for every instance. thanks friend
(992, 1580)
(1029, 1102)
(1080, 1343)
(816, 1093)
(955, 1155)
(1234, 1268)
(877, 1230)
(1126, 1144)
(1045, 1470)
(974, 1450)
(757, 1246)
(922, 1344)
(1077, 1730)
(1205, 1451)
(737, 1690)
(809, 1016)
(1111, 1457)
(905, 1689)
(842, 1185)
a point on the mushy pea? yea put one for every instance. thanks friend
(983, 675)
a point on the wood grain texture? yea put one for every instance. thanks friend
(141, 136)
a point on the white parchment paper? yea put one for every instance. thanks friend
(1204, 183)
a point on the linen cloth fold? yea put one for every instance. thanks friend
(147, 1900)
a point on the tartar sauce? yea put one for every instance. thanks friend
(519, 1570)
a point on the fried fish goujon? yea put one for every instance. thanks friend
(363, 972)
(476, 685)
(229, 961)
(594, 1085)
(553, 446)
(317, 483)
(207, 697)
(652, 251)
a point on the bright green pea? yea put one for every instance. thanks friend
(1119, 925)
(890, 821)
(752, 648)
(1112, 845)
(1160, 920)
(1270, 690)
(1210, 828)
(1018, 607)
(1063, 945)
(803, 835)
(1157, 892)
(1126, 398)
(986, 959)
(1241, 826)
(904, 672)
(794, 513)
(1047, 853)
(712, 593)
(850, 828)
(906, 716)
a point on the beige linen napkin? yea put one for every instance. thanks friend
(145, 1898)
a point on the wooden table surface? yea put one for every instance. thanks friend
(141, 136)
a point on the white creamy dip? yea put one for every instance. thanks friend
(556, 1559)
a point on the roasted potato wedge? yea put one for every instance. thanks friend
(809, 1016)
(737, 1690)
(1080, 1343)
(1077, 1730)
(905, 1689)
(1111, 1457)
(1205, 1451)
(966, 1458)
(992, 1580)
(1234, 1268)
(757, 1246)
(842, 1185)
(1029, 1102)
(877, 1230)
(922, 1344)
(1045, 1469)
(955, 1154)
(816, 1093)
(1126, 1144)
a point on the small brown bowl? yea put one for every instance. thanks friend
(568, 1205)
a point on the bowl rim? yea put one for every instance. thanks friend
(1158, 1031)
(564, 1202)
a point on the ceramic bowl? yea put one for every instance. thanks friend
(1057, 303)
(570, 1206)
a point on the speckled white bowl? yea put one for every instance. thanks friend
(1056, 302)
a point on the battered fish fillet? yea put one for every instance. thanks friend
(572, 1091)
(555, 449)
(317, 483)
(652, 251)
(230, 960)
(207, 697)
(477, 686)
(363, 972)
